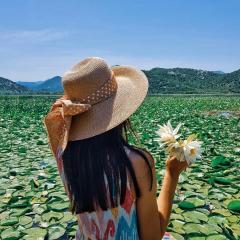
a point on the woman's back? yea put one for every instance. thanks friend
(114, 223)
(88, 129)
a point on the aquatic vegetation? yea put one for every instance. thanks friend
(33, 204)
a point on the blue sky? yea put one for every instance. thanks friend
(41, 39)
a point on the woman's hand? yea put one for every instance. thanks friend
(175, 167)
(58, 103)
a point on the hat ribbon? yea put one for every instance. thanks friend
(58, 121)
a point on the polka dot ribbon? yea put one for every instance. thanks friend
(58, 121)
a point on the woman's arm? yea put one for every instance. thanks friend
(165, 198)
(153, 214)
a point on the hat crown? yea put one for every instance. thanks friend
(86, 77)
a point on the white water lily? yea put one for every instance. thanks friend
(167, 134)
(192, 150)
(184, 150)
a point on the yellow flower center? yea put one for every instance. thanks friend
(193, 152)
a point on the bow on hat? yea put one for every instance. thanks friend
(58, 121)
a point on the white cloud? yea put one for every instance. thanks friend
(26, 36)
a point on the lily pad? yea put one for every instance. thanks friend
(9, 222)
(220, 161)
(194, 216)
(216, 237)
(52, 216)
(59, 206)
(186, 205)
(10, 234)
(36, 233)
(234, 206)
(24, 220)
(56, 232)
(196, 201)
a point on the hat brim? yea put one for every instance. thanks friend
(101, 117)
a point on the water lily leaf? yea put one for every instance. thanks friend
(9, 222)
(10, 234)
(186, 205)
(196, 201)
(216, 237)
(24, 220)
(196, 238)
(195, 216)
(175, 216)
(176, 235)
(59, 206)
(47, 217)
(234, 206)
(222, 180)
(56, 232)
(190, 228)
(215, 219)
(36, 233)
(220, 161)
(67, 217)
(22, 203)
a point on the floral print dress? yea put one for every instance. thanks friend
(118, 223)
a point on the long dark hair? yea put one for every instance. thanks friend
(89, 161)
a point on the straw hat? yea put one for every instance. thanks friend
(96, 99)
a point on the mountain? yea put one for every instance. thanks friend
(31, 85)
(219, 72)
(187, 80)
(9, 87)
(51, 85)
(161, 81)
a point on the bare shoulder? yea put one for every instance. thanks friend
(141, 167)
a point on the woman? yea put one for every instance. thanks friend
(111, 184)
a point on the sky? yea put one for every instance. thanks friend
(42, 39)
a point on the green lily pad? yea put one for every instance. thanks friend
(36, 233)
(216, 237)
(59, 207)
(67, 217)
(10, 234)
(22, 203)
(196, 201)
(186, 205)
(24, 220)
(196, 238)
(176, 236)
(47, 217)
(56, 232)
(9, 222)
(222, 180)
(220, 161)
(194, 216)
(190, 228)
(215, 219)
(234, 206)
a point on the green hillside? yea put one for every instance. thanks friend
(184, 80)
(161, 81)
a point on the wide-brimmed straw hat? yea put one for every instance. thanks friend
(96, 99)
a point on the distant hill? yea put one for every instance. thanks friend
(31, 85)
(219, 72)
(186, 80)
(51, 85)
(9, 87)
(161, 81)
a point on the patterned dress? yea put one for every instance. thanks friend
(118, 223)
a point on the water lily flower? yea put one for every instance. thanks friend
(184, 150)
(192, 150)
(167, 134)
